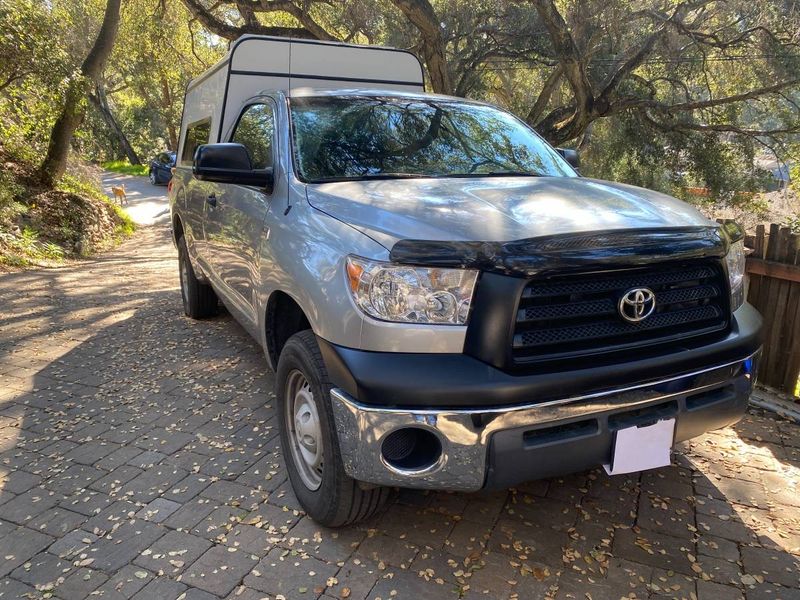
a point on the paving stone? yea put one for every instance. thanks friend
(173, 553)
(387, 550)
(158, 510)
(187, 488)
(196, 594)
(255, 540)
(629, 579)
(294, 577)
(219, 570)
(122, 455)
(720, 570)
(730, 528)
(89, 453)
(72, 544)
(420, 526)
(245, 593)
(672, 515)
(153, 482)
(708, 590)
(190, 514)
(771, 591)
(57, 521)
(146, 460)
(160, 588)
(163, 441)
(125, 583)
(331, 545)
(19, 482)
(484, 507)
(775, 567)
(672, 585)
(717, 547)
(74, 479)
(111, 517)
(42, 570)
(11, 588)
(235, 494)
(114, 482)
(20, 545)
(80, 584)
(467, 538)
(219, 523)
(25, 507)
(88, 502)
(540, 511)
(654, 549)
(440, 565)
(120, 547)
(498, 576)
(271, 518)
(534, 542)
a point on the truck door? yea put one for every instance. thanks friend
(241, 210)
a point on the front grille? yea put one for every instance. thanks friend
(565, 315)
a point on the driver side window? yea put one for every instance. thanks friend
(255, 131)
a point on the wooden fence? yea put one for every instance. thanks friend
(774, 269)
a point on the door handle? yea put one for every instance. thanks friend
(212, 199)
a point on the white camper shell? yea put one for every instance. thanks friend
(258, 63)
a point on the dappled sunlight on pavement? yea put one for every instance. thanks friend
(139, 459)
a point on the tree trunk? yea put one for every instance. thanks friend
(74, 109)
(423, 17)
(101, 103)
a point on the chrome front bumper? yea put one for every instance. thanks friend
(700, 401)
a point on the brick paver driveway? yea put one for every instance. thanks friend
(138, 459)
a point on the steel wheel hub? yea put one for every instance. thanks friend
(305, 430)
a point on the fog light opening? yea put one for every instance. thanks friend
(411, 449)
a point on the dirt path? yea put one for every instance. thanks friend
(147, 203)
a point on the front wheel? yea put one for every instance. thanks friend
(153, 178)
(309, 443)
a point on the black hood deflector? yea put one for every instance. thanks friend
(575, 251)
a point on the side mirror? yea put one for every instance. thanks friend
(571, 156)
(228, 163)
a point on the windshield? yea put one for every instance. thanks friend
(342, 138)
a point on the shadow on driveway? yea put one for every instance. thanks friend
(139, 458)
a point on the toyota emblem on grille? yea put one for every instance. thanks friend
(637, 304)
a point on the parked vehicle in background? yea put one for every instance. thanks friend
(445, 301)
(161, 168)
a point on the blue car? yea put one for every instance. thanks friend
(161, 168)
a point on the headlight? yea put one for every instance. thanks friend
(411, 294)
(736, 263)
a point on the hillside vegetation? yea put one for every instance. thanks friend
(44, 226)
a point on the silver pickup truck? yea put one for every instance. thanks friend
(445, 301)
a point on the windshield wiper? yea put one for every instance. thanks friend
(506, 174)
(366, 176)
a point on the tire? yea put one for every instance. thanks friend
(153, 177)
(199, 299)
(336, 499)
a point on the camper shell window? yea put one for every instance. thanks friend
(197, 134)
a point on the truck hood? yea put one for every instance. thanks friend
(496, 209)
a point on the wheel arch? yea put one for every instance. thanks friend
(283, 317)
(177, 227)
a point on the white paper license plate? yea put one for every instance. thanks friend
(642, 448)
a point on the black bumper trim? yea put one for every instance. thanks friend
(460, 381)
